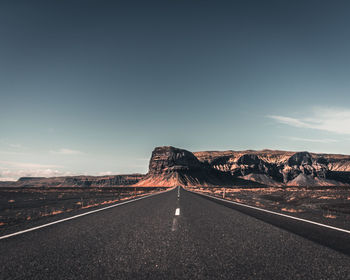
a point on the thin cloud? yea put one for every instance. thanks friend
(288, 121)
(312, 140)
(13, 153)
(16, 164)
(4, 179)
(16, 146)
(12, 146)
(105, 173)
(13, 175)
(65, 151)
(334, 120)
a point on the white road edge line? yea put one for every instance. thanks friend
(177, 212)
(275, 213)
(80, 215)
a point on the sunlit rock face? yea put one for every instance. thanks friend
(251, 163)
(282, 167)
(299, 159)
(304, 163)
(170, 166)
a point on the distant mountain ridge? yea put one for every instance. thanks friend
(76, 181)
(282, 168)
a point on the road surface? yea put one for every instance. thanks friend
(173, 235)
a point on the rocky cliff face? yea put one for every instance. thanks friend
(171, 166)
(170, 159)
(282, 167)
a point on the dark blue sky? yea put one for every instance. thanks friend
(93, 86)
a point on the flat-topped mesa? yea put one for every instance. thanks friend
(171, 166)
(168, 159)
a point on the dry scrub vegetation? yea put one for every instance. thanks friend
(20, 205)
(325, 204)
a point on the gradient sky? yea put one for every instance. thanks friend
(91, 87)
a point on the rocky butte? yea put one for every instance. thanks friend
(173, 166)
(170, 166)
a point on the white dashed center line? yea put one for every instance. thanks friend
(177, 212)
(174, 227)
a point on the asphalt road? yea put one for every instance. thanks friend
(146, 240)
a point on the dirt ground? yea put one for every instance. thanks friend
(21, 205)
(329, 205)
